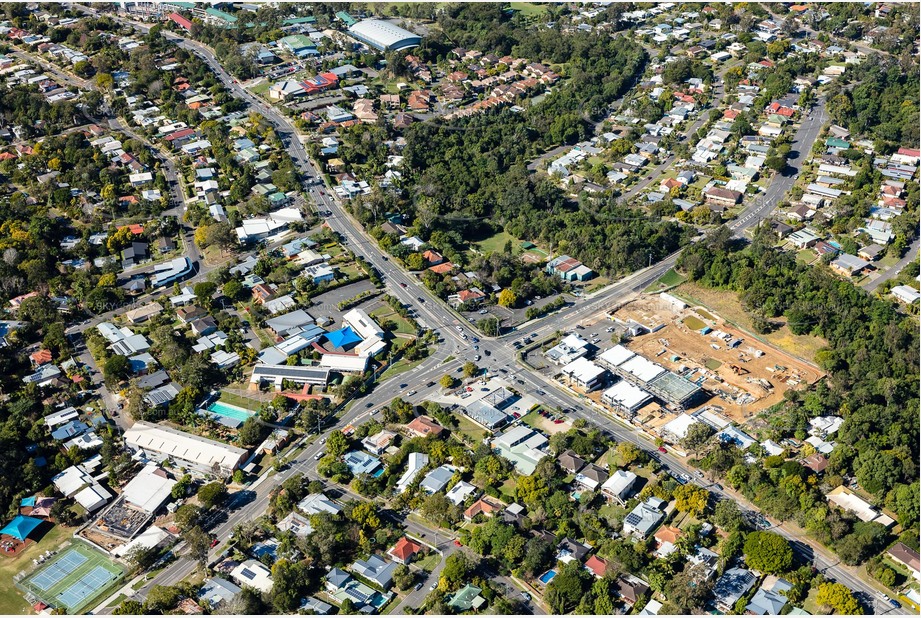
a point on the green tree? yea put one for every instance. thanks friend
(768, 552)
(365, 515)
(129, 607)
(691, 499)
(403, 577)
(566, 589)
(446, 381)
(204, 291)
(696, 437)
(727, 516)
(470, 369)
(233, 289)
(838, 598)
(250, 433)
(116, 369)
(337, 444)
(162, 598)
(199, 542)
(212, 494)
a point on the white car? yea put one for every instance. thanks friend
(318, 456)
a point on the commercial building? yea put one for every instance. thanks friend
(523, 446)
(584, 373)
(626, 397)
(278, 373)
(572, 347)
(170, 272)
(201, 454)
(362, 324)
(383, 35)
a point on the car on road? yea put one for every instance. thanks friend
(662, 450)
(403, 385)
(323, 440)
(418, 586)
(214, 542)
(385, 258)
(402, 285)
(369, 404)
(433, 586)
(540, 392)
(895, 603)
(430, 385)
(318, 456)
(475, 339)
(526, 596)
(476, 358)
(482, 311)
(476, 347)
(457, 543)
(411, 393)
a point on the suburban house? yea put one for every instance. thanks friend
(722, 198)
(731, 587)
(620, 486)
(907, 557)
(423, 427)
(404, 550)
(644, 518)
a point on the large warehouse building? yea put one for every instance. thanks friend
(383, 35)
(161, 443)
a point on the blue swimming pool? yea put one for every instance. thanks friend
(230, 411)
(546, 577)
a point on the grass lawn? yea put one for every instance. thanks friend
(468, 427)
(386, 313)
(712, 364)
(401, 366)
(694, 323)
(241, 402)
(669, 279)
(429, 562)
(528, 9)
(806, 256)
(261, 88)
(597, 284)
(810, 604)
(507, 488)
(497, 241)
(729, 307)
(11, 600)
(530, 419)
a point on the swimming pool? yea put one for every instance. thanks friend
(230, 411)
(546, 577)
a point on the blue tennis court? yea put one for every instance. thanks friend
(87, 586)
(73, 580)
(61, 568)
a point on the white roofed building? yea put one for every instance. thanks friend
(201, 454)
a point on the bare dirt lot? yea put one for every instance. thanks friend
(744, 374)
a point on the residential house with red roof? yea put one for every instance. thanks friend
(404, 550)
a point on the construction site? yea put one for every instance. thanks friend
(743, 374)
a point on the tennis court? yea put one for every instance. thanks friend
(76, 577)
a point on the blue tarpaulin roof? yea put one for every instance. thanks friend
(21, 527)
(30, 501)
(343, 337)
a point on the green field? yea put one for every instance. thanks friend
(712, 364)
(669, 279)
(74, 579)
(496, 243)
(261, 89)
(386, 313)
(240, 402)
(694, 323)
(528, 9)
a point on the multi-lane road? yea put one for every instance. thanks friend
(457, 338)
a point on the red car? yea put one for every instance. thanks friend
(662, 450)
(214, 542)
(458, 543)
